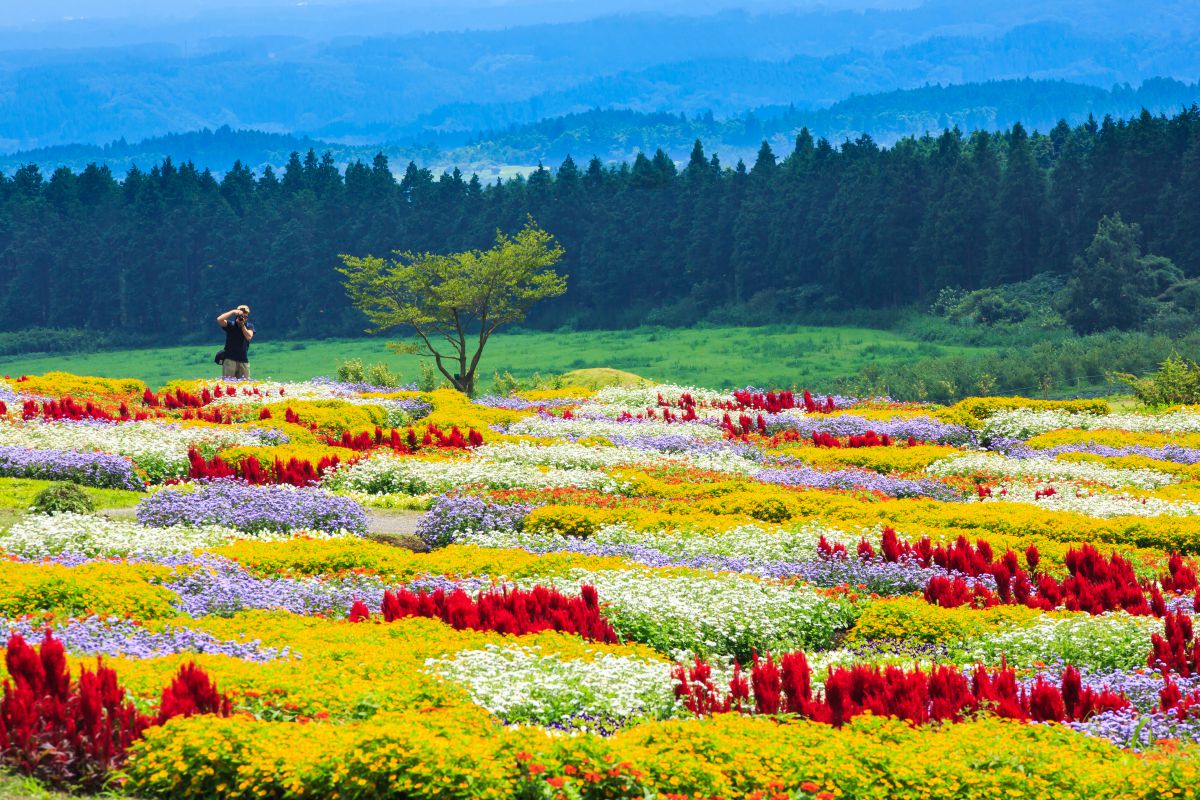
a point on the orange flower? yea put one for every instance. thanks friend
(809, 786)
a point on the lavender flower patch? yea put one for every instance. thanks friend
(513, 403)
(102, 470)
(1128, 728)
(219, 587)
(348, 389)
(679, 443)
(1169, 452)
(859, 479)
(252, 509)
(925, 429)
(126, 639)
(888, 579)
(453, 516)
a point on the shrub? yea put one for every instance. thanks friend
(379, 374)
(1177, 382)
(62, 497)
(351, 371)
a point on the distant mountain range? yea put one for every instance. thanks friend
(618, 134)
(440, 87)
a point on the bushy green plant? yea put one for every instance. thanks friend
(351, 371)
(62, 497)
(507, 383)
(379, 374)
(1177, 382)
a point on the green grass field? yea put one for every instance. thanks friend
(773, 356)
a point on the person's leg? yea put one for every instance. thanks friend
(229, 368)
(243, 369)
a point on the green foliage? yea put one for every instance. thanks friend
(509, 384)
(19, 494)
(1113, 285)
(379, 374)
(61, 497)
(430, 380)
(351, 371)
(1177, 382)
(459, 299)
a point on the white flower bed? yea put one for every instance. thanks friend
(160, 449)
(1100, 504)
(1048, 470)
(385, 473)
(548, 427)
(614, 400)
(1115, 640)
(1026, 423)
(577, 456)
(722, 614)
(753, 543)
(40, 536)
(521, 684)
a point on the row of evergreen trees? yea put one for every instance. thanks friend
(159, 253)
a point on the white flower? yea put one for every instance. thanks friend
(386, 473)
(1048, 470)
(521, 684)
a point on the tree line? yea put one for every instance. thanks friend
(794, 235)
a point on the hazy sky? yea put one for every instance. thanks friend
(22, 12)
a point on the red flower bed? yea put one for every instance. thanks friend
(68, 407)
(511, 611)
(76, 733)
(294, 471)
(1094, 584)
(942, 693)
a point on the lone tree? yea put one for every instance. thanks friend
(456, 302)
(1113, 285)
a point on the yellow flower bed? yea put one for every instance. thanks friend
(974, 410)
(886, 460)
(332, 416)
(459, 753)
(107, 589)
(913, 618)
(323, 557)
(1112, 438)
(57, 384)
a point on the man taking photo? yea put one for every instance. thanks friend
(239, 330)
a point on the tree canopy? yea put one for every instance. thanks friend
(812, 230)
(455, 302)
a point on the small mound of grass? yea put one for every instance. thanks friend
(600, 377)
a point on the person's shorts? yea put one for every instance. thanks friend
(235, 369)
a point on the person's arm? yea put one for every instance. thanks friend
(247, 331)
(222, 319)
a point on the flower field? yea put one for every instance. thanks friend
(665, 592)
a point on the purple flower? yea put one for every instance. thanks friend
(859, 479)
(452, 516)
(252, 508)
(926, 429)
(349, 388)
(513, 403)
(103, 470)
(126, 639)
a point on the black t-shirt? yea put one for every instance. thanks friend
(236, 346)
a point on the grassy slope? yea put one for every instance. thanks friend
(777, 356)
